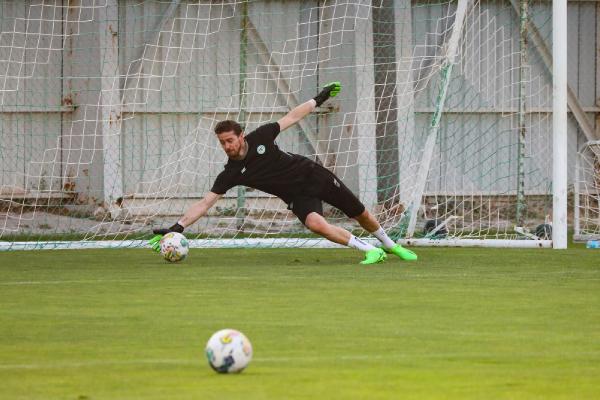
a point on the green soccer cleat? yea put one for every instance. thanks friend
(154, 243)
(402, 252)
(374, 256)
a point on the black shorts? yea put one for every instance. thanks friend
(325, 186)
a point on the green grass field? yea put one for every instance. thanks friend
(459, 323)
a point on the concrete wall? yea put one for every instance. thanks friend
(174, 77)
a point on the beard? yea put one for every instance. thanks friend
(235, 153)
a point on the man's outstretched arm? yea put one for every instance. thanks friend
(193, 214)
(329, 90)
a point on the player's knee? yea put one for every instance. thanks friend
(316, 223)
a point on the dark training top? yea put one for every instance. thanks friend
(266, 167)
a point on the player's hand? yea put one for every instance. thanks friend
(331, 89)
(175, 228)
(154, 243)
(334, 88)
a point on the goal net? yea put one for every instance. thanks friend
(587, 193)
(443, 127)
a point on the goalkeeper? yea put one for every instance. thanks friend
(256, 161)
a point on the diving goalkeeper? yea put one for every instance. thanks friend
(256, 161)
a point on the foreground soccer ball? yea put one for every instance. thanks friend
(174, 247)
(228, 351)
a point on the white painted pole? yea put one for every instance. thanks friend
(559, 120)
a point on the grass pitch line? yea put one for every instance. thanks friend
(348, 358)
(582, 274)
(108, 363)
(92, 363)
(66, 282)
(200, 361)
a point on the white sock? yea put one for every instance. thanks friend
(384, 238)
(359, 244)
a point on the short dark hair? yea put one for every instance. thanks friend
(227, 126)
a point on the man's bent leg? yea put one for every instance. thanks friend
(367, 221)
(319, 225)
(370, 224)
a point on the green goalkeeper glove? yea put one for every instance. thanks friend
(329, 90)
(154, 243)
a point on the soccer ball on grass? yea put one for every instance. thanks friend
(228, 351)
(174, 247)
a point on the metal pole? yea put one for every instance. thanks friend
(559, 120)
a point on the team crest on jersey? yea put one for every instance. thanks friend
(260, 149)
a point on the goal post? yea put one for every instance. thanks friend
(559, 132)
(444, 126)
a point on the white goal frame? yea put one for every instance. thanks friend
(113, 112)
